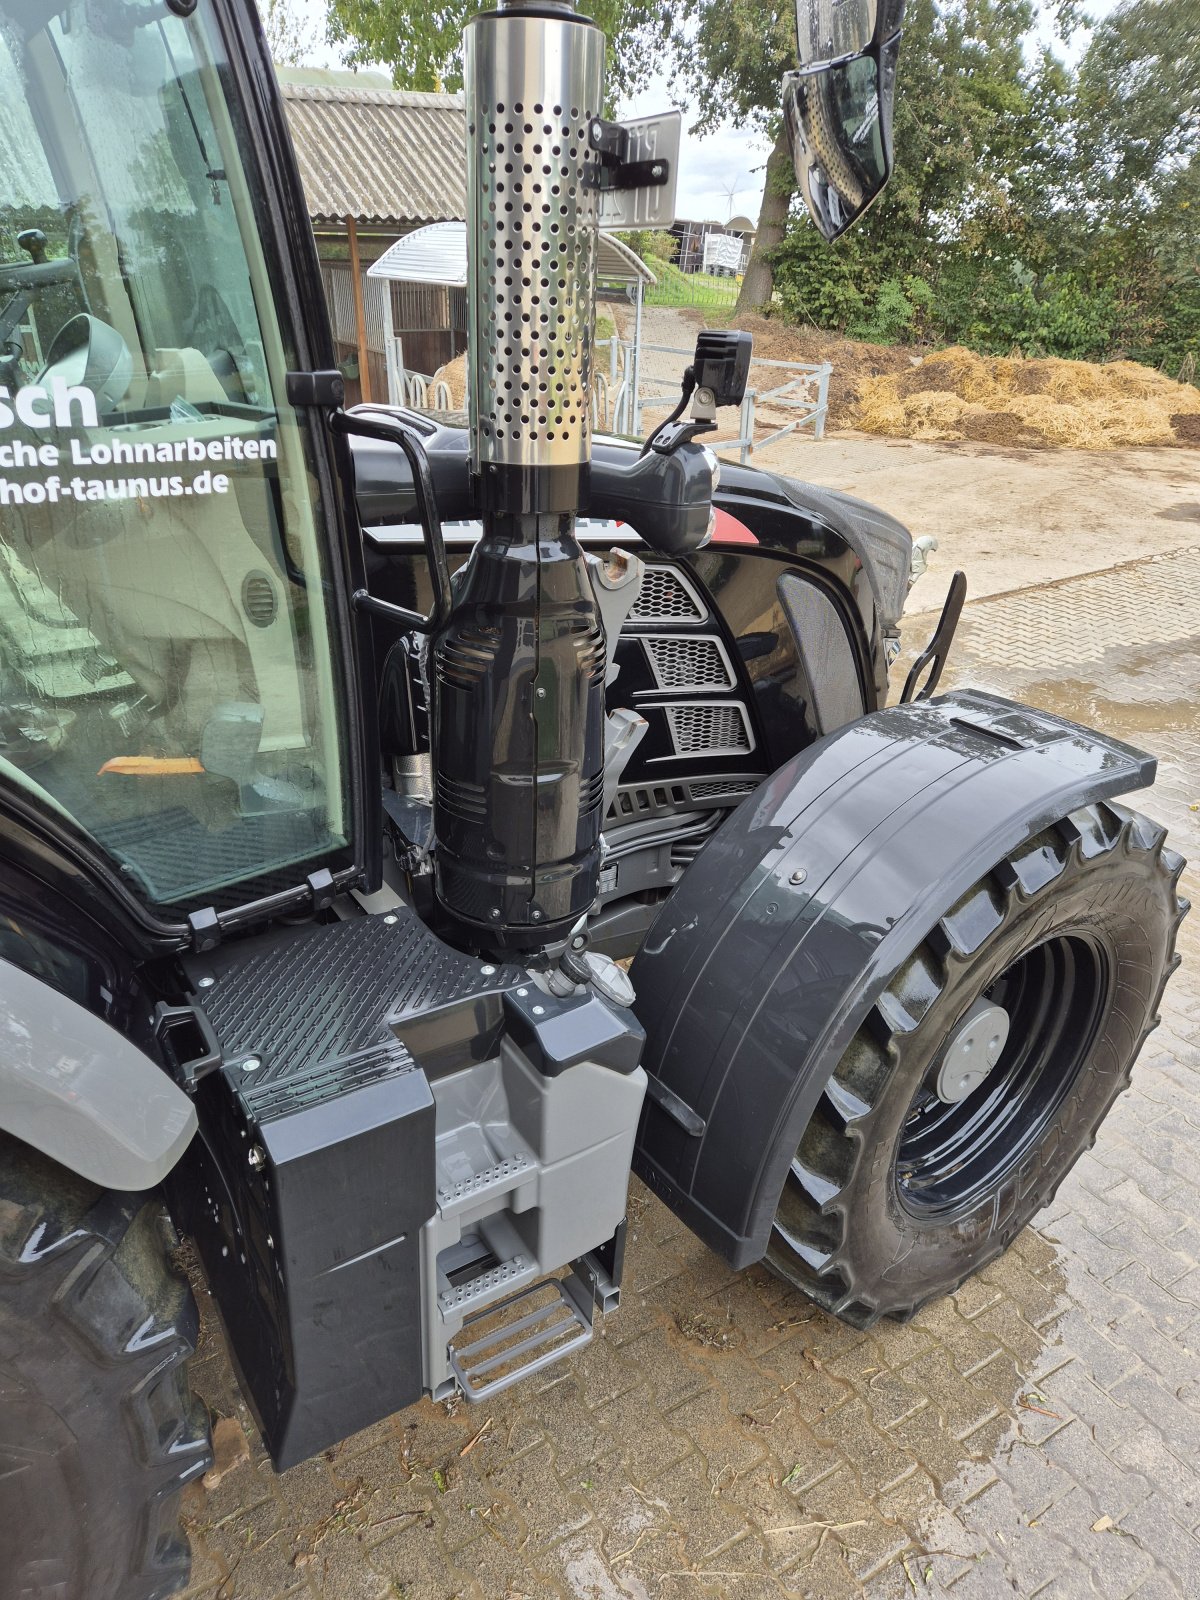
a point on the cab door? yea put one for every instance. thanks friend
(179, 670)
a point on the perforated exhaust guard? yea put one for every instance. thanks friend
(534, 83)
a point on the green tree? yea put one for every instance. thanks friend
(733, 56)
(421, 42)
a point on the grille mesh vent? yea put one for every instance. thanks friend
(709, 730)
(665, 597)
(689, 662)
(718, 789)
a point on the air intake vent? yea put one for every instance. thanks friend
(689, 661)
(709, 730)
(723, 789)
(258, 599)
(667, 596)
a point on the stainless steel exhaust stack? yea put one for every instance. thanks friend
(519, 669)
(535, 81)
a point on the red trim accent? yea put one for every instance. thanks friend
(730, 531)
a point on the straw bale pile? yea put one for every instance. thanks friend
(955, 394)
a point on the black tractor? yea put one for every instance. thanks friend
(347, 756)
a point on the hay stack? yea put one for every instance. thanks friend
(957, 394)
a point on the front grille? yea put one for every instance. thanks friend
(646, 800)
(709, 730)
(667, 596)
(723, 788)
(689, 661)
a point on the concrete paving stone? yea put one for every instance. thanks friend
(649, 1266)
(975, 1296)
(1154, 1401)
(669, 1367)
(412, 1567)
(561, 1417)
(549, 1508)
(514, 1573)
(1175, 1361)
(958, 1400)
(1172, 1310)
(1158, 1586)
(1160, 1256)
(889, 1395)
(1031, 1556)
(605, 1371)
(647, 1444)
(824, 1574)
(1074, 1233)
(729, 1445)
(1075, 1582)
(1174, 1548)
(873, 1546)
(1116, 1485)
(811, 1379)
(1037, 1300)
(1071, 1388)
(1033, 1476)
(985, 1579)
(698, 1511)
(580, 1566)
(879, 1462)
(639, 1315)
(1108, 1357)
(1004, 1323)
(1119, 1561)
(925, 1438)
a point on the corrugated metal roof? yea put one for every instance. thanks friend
(438, 254)
(383, 157)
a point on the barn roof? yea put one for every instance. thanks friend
(384, 157)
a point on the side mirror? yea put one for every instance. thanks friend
(838, 107)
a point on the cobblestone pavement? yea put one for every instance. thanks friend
(1037, 1434)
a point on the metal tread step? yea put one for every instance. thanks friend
(510, 1274)
(520, 1341)
(489, 1182)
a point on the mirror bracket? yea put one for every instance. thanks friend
(613, 143)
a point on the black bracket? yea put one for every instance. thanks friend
(326, 389)
(933, 658)
(612, 143)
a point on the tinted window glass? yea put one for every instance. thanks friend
(166, 654)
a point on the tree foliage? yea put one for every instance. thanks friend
(421, 42)
(1032, 206)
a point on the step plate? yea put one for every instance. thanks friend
(517, 1337)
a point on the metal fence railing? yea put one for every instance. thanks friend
(643, 377)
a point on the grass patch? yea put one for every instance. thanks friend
(702, 289)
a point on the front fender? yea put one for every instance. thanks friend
(765, 961)
(81, 1093)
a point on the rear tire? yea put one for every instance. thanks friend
(98, 1429)
(894, 1197)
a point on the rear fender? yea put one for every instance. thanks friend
(764, 962)
(81, 1093)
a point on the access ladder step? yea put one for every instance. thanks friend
(517, 1337)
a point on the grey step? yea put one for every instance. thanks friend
(489, 1182)
(509, 1274)
(517, 1337)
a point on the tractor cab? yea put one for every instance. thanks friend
(174, 672)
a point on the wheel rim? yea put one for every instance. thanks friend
(1057, 994)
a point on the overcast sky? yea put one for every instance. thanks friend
(730, 158)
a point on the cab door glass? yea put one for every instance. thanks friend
(168, 659)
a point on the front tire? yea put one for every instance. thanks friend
(98, 1429)
(897, 1194)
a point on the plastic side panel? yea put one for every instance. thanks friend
(763, 963)
(78, 1091)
